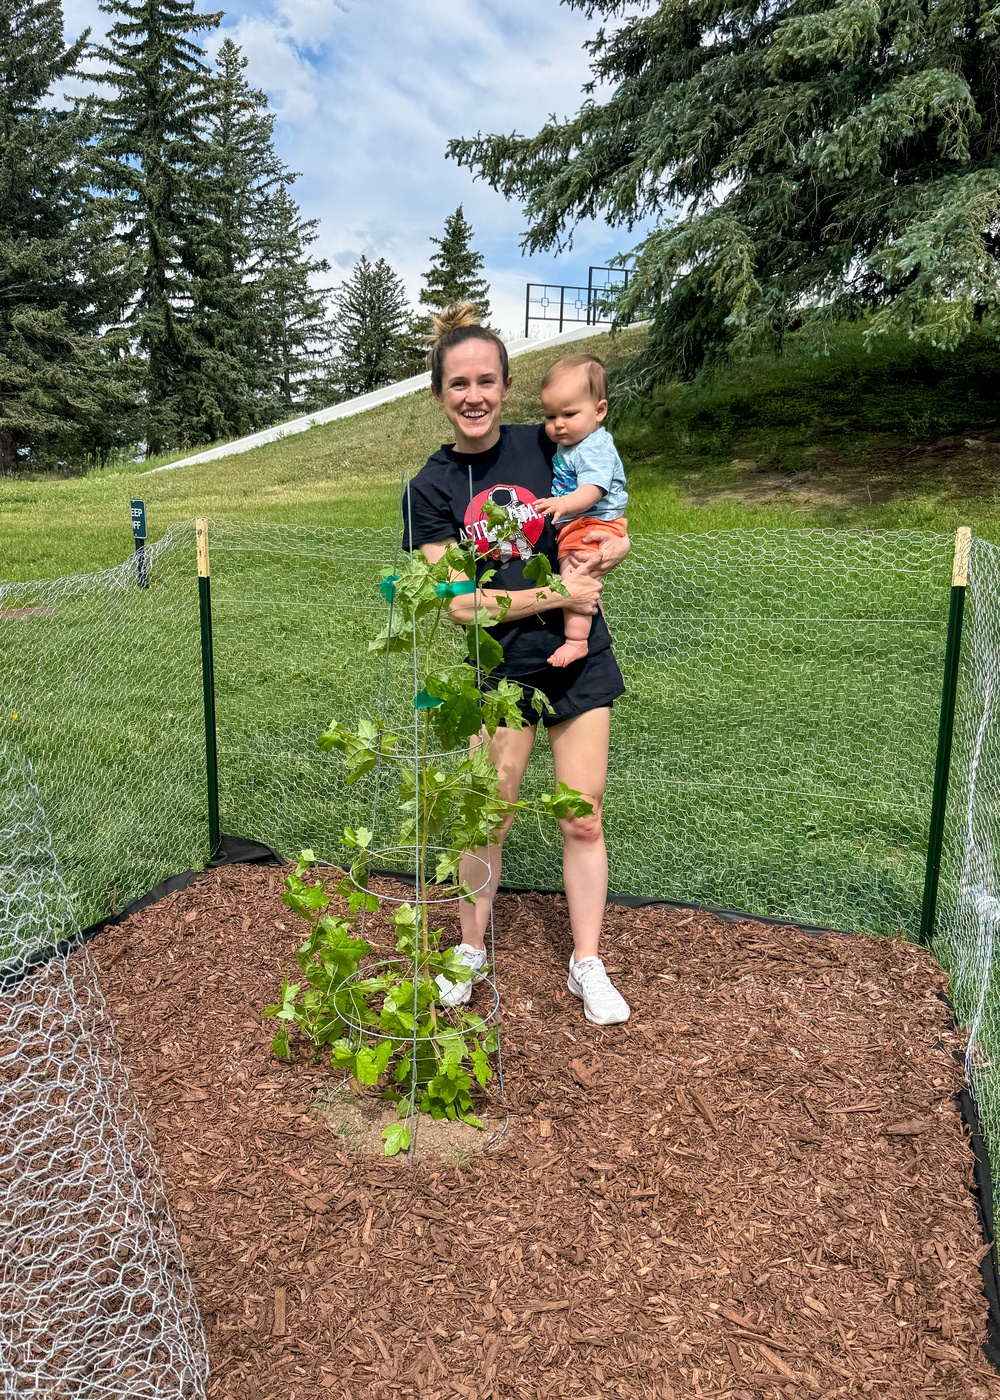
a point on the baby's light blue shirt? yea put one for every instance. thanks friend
(592, 462)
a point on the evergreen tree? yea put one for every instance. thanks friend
(227, 389)
(295, 313)
(371, 319)
(454, 273)
(62, 392)
(828, 157)
(149, 147)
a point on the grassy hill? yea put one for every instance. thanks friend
(829, 436)
(832, 435)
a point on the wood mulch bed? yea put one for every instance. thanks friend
(759, 1187)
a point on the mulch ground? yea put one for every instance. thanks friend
(759, 1187)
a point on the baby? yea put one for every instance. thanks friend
(588, 478)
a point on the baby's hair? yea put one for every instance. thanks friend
(597, 375)
(454, 326)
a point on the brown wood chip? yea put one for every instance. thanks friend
(582, 1073)
(645, 1199)
(278, 1328)
(703, 1109)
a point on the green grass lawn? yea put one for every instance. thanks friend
(832, 435)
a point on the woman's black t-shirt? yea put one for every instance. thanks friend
(444, 502)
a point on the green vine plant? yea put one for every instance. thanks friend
(382, 1022)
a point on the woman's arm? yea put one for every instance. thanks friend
(582, 585)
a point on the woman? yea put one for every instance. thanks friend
(512, 466)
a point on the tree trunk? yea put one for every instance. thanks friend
(9, 459)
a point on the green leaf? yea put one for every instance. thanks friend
(360, 839)
(539, 570)
(366, 1071)
(481, 1067)
(279, 1045)
(502, 706)
(565, 803)
(396, 1138)
(362, 899)
(304, 899)
(490, 651)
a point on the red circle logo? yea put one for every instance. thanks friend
(520, 504)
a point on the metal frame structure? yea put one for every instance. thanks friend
(585, 306)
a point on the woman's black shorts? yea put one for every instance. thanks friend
(591, 684)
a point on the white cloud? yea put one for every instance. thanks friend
(368, 93)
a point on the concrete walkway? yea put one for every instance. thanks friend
(362, 404)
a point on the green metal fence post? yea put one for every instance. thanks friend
(942, 766)
(208, 685)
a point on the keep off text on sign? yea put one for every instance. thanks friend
(139, 520)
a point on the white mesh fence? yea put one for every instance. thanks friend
(94, 1297)
(969, 900)
(774, 751)
(100, 690)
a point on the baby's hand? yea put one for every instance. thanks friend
(551, 506)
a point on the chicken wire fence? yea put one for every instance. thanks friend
(968, 926)
(101, 692)
(95, 1300)
(774, 753)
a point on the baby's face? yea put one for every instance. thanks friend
(569, 408)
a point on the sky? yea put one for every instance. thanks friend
(368, 93)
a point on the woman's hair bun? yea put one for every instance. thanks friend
(452, 327)
(456, 317)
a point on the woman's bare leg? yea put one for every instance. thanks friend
(580, 755)
(510, 750)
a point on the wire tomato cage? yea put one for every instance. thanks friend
(413, 858)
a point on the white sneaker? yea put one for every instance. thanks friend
(458, 993)
(602, 1002)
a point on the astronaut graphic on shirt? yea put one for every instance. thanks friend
(520, 506)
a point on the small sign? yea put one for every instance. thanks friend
(139, 520)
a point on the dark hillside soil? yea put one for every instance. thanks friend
(759, 1187)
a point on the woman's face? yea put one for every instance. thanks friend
(473, 394)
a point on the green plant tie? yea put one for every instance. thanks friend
(426, 701)
(388, 588)
(453, 589)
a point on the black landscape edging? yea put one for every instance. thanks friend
(641, 901)
(989, 1266)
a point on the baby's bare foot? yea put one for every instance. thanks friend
(568, 653)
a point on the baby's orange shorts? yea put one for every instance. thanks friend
(570, 540)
